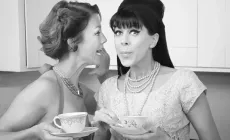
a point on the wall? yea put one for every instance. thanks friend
(218, 85)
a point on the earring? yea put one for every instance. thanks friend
(152, 45)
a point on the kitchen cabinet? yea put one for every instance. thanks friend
(212, 33)
(227, 36)
(35, 12)
(12, 53)
(180, 21)
(20, 49)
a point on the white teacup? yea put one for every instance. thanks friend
(71, 122)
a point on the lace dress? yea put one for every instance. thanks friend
(166, 106)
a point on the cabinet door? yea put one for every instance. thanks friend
(211, 33)
(9, 37)
(35, 13)
(183, 57)
(227, 36)
(180, 21)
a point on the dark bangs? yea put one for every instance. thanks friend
(125, 19)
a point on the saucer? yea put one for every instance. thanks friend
(130, 131)
(87, 131)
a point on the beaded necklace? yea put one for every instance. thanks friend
(154, 74)
(147, 81)
(74, 90)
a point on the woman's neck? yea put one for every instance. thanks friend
(71, 68)
(141, 70)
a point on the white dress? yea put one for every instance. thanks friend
(166, 106)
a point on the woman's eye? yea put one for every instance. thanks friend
(117, 33)
(134, 32)
(98, 33)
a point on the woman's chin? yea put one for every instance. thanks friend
(126, 64)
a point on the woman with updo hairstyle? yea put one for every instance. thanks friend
(147, 83)
(71, 34)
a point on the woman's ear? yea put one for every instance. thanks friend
(72, 45)
(155, 39)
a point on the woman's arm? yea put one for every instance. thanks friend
(20, 135)
(27, 109)
(201, 118)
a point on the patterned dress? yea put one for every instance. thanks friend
(166, 106)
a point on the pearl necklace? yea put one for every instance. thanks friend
(156, 71)
(74, 90)
(143, 85)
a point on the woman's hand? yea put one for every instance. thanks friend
(102, 70)
(104, 117)
(44, 68)
(44, 129)
(157, 134)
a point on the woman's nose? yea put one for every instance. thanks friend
(125, 41)
(104, 39)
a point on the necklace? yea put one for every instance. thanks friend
(74, 90)
(156, 71)
(146, 81)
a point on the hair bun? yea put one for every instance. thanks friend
(156, 5)
(62, 15)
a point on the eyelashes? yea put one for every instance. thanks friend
(98, 33)
(133, 32)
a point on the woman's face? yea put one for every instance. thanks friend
(133, 45)
(93, 40)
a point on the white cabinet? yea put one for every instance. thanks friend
(35, 12)
(19, 49)
(12, 36)
(180, 21)
(183, 57)
(227, 25)
(212, 33)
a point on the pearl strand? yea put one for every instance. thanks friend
(141, 88)
(125, 97)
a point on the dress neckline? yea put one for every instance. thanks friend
(155, 90)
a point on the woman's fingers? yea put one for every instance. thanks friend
(48, 136)
(44, 68)
(50, 128)
(44, 131)
(110, 114)
(158, 134)
(106, 116)
(146, 136)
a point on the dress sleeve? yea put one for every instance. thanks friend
(191, 89)
(100, 96)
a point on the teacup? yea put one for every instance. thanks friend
(133, 122)
(71, 122)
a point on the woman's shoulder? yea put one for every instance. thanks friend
(47, 81)
(111, 80)
(182, 72)
(45, 88)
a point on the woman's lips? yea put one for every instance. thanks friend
(98, 52)
(125, 54)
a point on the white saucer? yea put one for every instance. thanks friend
(87, 131)
(131, 131)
